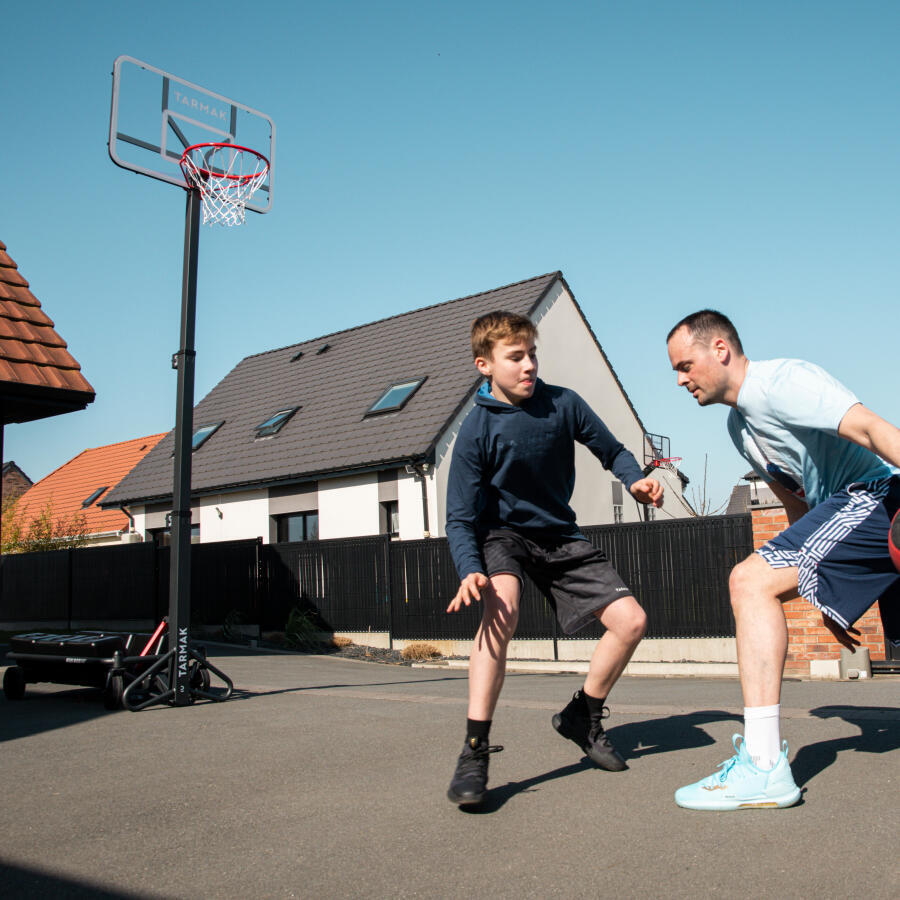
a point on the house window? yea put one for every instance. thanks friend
(395, 397)
(298, 527)
(618, 511)
(93, 498)
(203, 433)
(162, 537)
(275, 423)
(390, 518)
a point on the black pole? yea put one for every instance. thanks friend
(180, 567)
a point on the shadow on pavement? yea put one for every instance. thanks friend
(250, 693)
(633, 740)
(497, 796)
(19, 881)
(59, 709)
(879, 733)
(682, 732)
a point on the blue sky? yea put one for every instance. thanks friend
(666, 157)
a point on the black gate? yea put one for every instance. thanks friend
(677, 569)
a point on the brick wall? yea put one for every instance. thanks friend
(808, 639)
(15, 482)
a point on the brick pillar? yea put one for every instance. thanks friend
(808, 639)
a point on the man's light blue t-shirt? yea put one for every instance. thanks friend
(786, 423)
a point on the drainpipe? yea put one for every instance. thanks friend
(130, 518)
(420, 470)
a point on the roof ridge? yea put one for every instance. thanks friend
(409, 312)
(68, 462)
(159, 434)
(57, 469)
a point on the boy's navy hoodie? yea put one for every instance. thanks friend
(514, 467)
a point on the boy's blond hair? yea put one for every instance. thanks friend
(493, 327)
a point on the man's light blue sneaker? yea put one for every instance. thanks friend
(740, 785)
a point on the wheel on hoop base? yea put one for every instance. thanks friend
(14, 683)
(199, 674)
(112, 693)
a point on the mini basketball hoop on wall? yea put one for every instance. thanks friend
(227, 176)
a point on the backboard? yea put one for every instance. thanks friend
(155, 116)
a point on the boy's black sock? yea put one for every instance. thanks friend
(594, 704)
(478, 730)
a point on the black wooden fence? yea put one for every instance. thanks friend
(677, 569)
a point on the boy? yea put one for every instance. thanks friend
(818, 448)
(508, 513)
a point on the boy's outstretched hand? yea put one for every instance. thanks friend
(647, 490)
(469, 590)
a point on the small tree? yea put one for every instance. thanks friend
(31, 534)
(700, 499)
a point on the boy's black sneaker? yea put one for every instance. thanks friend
(469, 782)
(574, 722)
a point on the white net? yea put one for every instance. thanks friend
(227, 176)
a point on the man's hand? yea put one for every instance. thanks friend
(647, 490)
(844, 636)
(469, 589)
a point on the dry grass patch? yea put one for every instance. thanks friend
(420, 650)
(340, 641)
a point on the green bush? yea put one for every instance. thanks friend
(301, 629)
(231, 627)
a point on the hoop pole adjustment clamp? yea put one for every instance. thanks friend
(191, 353)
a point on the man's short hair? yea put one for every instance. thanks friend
(708, 324)
(493, 327)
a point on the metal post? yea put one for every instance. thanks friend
(388, 590)
(180, 568)
(555, 634)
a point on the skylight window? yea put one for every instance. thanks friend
(275, 423)
(203, 433)
(297, 355)
(93, 498)
(395, 397)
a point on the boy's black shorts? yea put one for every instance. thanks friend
(572, 574)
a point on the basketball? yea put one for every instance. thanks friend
(894, 540)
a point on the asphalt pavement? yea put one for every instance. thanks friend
(325, 777)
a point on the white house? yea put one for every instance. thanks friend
(352, 433)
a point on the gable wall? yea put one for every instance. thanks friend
(568, 356)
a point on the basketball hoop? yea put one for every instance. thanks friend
(227, 176)
(667, 462)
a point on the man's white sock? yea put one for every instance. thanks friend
(762, 733)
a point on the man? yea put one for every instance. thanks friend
(818, 448)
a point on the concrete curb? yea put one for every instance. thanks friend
(580, 667)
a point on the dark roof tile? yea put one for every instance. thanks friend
(331, 432)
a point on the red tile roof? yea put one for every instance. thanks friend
(72, 483)
(31, 352)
